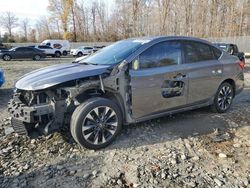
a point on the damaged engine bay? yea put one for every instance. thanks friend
(48, 110)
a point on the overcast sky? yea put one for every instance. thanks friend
(31, 9)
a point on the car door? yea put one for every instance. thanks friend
(204, 71)
(19, 53)
(158, 79)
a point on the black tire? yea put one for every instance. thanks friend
(6, 57)
(223, 98)
(37, 57)
(79, 54)
(103, 131)
(57, 54)
(65, 53)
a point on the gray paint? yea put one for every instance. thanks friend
(56, 74)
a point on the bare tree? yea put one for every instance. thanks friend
(9, 20)
(24, 24)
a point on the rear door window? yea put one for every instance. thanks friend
(161, 54)
(197, 52)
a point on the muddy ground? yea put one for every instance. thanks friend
(192, 149)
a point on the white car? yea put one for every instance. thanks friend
(77, 60)
(63, 46)
(80, 51)
(49, 51)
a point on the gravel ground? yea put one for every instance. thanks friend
(192, 149)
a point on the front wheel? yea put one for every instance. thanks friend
(96, 123)
(223, 98)
(6, 57)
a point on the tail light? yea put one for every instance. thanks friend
(241, 64)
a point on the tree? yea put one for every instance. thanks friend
(9, 21)
(61, 10)
(24, 24)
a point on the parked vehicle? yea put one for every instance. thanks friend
(62, 45)
(77, 60)
(129, 81)
(3, 48)
(80, 51)
(22, 53)
(48, 50)
(2, 80)
(231, 49)
(97, 48)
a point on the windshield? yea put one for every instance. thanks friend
(114, 53)
(12, 49)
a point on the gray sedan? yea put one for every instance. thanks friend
(129, 81)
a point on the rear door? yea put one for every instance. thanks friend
(204, 71)
(158, 79)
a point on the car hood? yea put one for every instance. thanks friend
(57, 74)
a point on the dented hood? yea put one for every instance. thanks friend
(57, 74)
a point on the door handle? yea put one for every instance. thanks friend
(216, 72)
(179, 76)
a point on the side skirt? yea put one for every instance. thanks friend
(173, 111)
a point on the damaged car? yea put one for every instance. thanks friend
(130, 81)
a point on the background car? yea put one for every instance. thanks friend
(22, 53)
(231, 49)
(61, 45)
(49, 51)
(1, 77)
(80, 51)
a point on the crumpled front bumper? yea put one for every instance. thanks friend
(22, 114)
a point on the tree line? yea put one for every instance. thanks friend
(99, 20)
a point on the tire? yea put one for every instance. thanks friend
(65, 53)
(223, 98)
(37, 57)
(100, 132)
(79, 54)
(6, 57)
(57, 54)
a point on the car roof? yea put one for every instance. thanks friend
(162, 38)
(223, 43)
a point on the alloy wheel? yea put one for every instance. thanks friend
(225, 97)
(6, 57)
(100, 125)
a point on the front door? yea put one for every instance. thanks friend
(158, 79)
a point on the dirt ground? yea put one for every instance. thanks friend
(192, 149)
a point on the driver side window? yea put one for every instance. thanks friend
(159, 55)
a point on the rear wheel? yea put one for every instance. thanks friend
(37, 57)
(96, 123)
(65, 53)
(6, 57)
(223, 98)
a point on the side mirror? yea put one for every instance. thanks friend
(136, 64)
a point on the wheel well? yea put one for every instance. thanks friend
(232, 83)
(8, 55)
(99, 93)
